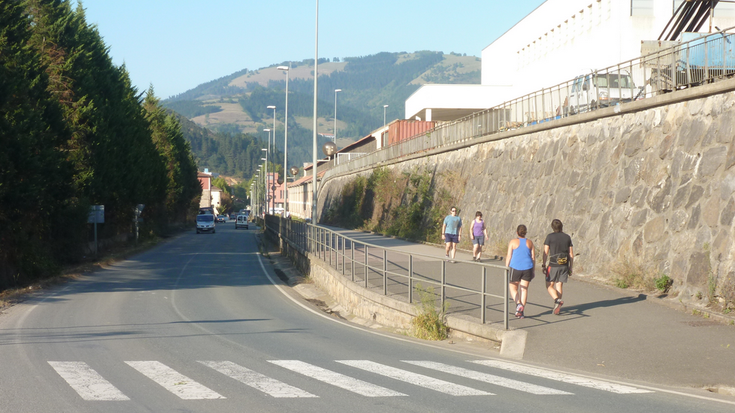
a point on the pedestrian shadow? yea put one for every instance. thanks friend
(570, 313)
(581, 308)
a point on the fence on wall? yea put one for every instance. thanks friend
(667, 67)
(474, 289)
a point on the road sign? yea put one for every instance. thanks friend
(96, 214)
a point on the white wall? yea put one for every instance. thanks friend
(456, 97)
(564, 38)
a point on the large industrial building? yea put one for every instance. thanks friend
(556, 42)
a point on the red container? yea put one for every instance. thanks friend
(400, 130)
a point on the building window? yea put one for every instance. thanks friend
(641, 8)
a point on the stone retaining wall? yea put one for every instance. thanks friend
(653, 188)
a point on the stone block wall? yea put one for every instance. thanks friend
(655, 187)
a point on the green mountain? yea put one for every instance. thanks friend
(235, 106)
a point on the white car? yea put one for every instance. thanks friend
(205, 223)
(242, 221)
(600, 90)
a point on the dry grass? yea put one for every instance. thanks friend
(634, 274)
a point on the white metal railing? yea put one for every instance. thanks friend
(693, 62)
(466, 285)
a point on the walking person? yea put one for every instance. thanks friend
(558, 248)
(478, 235)
(520, 258)
(452, 232)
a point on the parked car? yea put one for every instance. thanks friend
(593, 90)
(205, 223)
(241, 222)
(221, 218)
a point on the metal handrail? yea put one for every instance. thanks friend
(683, 65)
(324, 243)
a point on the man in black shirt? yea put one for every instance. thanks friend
(559, 250)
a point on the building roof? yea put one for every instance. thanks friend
(356, 143)
(306, 178)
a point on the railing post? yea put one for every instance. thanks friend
(331, 246)
(410, 278)
(367, 255)
(385, 272)
(343, 254)
(483, 298)
(505, 295)
(444, 281)
(352, 260)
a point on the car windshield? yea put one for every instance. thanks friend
(614, 81)
(205, 218)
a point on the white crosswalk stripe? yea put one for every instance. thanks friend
(257, 380)
(90, 385)
(86, 381)
(488, 378)
(415, 378)
(336, 379)
(562, 377)
(173, 381)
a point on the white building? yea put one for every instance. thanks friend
(553, 44)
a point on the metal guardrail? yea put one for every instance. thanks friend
(682, 65)
(397, 273)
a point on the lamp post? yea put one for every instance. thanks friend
(267, 150)
(313, 148)
(335, 114)
(265, 185)
(384, 108)
(285, 140)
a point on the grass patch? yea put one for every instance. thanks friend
(634, 274)
(663, 283)
(430, 323)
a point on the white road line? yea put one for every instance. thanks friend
(87, 382)
(562, 377)
(173, 381)
(488, 378)
(336, 379)
(415, 378)
(256, 380)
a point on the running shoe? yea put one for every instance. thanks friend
(519, 311)
(557, 307)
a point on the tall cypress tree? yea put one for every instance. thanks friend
(37, 196)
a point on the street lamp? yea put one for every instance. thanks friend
(335, 114)
(265, 184)
(266, 163)
(285, 139)
(313, 147)
(384, 108)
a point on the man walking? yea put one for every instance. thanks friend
(452, 232)
(559, 250)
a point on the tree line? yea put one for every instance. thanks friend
(74, 132)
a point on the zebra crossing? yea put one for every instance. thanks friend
(92, 386)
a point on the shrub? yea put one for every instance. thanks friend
(663, 283)
(429, 324)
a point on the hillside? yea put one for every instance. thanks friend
(237, 104)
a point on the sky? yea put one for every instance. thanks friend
(176, 45)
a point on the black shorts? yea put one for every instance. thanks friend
(518, 275)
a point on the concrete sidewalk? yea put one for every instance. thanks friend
(614, 332)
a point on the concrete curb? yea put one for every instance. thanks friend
(390, 312)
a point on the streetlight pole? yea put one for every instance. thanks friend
(313, 148)
(285, 142)
(384, 108)
(335, 114)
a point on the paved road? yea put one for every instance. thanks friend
(198, 325)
